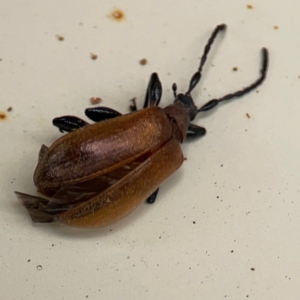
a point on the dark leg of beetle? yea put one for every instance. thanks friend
(197, 76)
(174, 89)
(263, 73)
(98, 114)
(151, 199)
(154, 91)
(133, 106)
(68, 123)
(195, 131)
(153, 94)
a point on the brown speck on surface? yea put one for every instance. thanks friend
(60, 38)
(252, 269)
(39, 267)
(1, 59)
(275, 27)
(9, 109)
(95, 100)
(28, 260)
(249, 6)
(185, 158)
(234, 69)
(117, 15)
(143, 62)
(248, 116)
(93, 56)
(2, 116)
(194, 222)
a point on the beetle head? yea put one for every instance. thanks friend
(188, 103)
(186, 99)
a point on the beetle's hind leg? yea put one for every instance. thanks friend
(195, 131)
(98, 114)
(68, 123)
(151, 199)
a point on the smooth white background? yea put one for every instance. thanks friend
(232, 207)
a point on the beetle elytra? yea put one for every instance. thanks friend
(98, 173)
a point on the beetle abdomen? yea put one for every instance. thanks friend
(111, 197)
(100, 148)
(122, 198)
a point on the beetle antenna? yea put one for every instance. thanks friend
(197, 76)
(263, 74)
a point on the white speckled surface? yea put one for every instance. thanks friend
(226, 225)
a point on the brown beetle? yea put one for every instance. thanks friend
(98, 174)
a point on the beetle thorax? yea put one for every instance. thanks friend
(179, 116)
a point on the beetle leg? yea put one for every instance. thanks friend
(68, 123)
(174, 89)
(195, 131)
(154, 91)
(151, 199)
(133, 106)
(101, 113)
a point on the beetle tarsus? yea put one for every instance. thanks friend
(154, 91)
(69, 123)
(195, 131)
(151, 199)
(98, 114)
(174, 89)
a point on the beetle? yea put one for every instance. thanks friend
(98, 173)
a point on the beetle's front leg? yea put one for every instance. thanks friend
(68, 123)
(195, 131)
(98, 114)
(151, 199)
